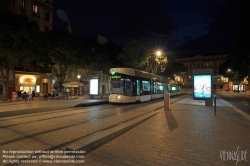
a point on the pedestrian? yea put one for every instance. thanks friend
(29, 95)
(33, 94)
(14, 96)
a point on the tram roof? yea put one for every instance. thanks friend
(138, 73)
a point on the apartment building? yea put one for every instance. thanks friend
(204, 62)
(40, 11)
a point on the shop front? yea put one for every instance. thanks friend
(26, 82)
(238, 88)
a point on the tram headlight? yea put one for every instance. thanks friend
(118, 97)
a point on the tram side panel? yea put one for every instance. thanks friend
(128, 89)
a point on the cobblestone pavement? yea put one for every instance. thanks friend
(189, 134)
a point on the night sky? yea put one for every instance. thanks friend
(181, 27)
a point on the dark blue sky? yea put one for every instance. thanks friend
(173, 24)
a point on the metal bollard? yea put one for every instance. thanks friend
(215, 105)
(167, 101)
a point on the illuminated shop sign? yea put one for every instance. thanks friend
(28, 79)
(202, 86)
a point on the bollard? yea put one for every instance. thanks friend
(215, 105)
(167, 101)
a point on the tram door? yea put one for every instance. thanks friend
(138, 87)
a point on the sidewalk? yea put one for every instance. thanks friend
(189, 134)
(41, 105)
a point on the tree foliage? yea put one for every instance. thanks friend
(135, 54)
(17, 35)
(173, 67)
(63, 52)
(99, 57)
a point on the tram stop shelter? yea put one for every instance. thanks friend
(75, 85)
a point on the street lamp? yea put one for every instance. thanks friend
(158, 53)
(237, 79)
(161, 60)
(78, 89)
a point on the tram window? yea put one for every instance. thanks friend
(128, 88)
(145, 85)
(116, 87)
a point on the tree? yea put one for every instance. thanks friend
(135, 54)
(98, 57)
(17, 35)
(174, 67)
(63, 52)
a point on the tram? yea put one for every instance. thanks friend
(129, 85)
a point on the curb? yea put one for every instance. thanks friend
(90, 104)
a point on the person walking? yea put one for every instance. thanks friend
(33, 94)
(14, 96)
(29, 95)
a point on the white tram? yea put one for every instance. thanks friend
(129, 85)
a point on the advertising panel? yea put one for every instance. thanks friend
(93, 86)
(202, 86)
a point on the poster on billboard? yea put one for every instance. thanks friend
(93, 86)
(202, 86)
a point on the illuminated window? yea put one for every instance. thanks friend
(22, 5)
(145, 85)
(35, 11)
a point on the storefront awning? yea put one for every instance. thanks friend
(72, 84)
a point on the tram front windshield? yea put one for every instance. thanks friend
(116, 84)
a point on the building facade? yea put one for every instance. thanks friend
(40, 11)
(203, 62)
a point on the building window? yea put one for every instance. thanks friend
(22, 5)
(46, 16)
(35, 11)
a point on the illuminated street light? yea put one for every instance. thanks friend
(158, 53)
(237, 78)
(78, 91)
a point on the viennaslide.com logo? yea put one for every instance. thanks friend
(234, 155)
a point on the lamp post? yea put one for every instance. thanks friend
(78, 88)
(237, 78)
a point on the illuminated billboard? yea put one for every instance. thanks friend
(202, 86)
(93, 86)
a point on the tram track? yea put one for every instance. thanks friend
(71, 125)
(63, 145)
(47, 113)
(60, 128)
